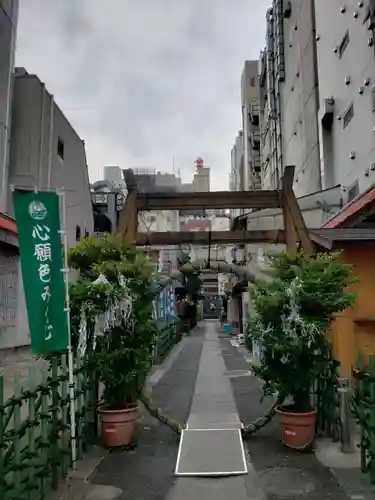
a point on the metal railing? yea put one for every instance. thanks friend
(35, 436)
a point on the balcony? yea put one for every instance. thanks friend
(254, 113)
(239, 255)
(255, 140)
(256, 164)
(256, 182)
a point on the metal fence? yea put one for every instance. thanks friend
(169, 337)
(35, 435)
(363, 406)
(326, 398)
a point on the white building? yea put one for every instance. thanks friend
(237, 173)
(47, 153)
(113, 175)
(289, 96)
(346, 70)
(250, 125)
(8, 28)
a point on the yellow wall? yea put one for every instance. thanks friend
(354, 329)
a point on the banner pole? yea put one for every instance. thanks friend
(62, 195)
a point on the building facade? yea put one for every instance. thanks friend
(346, 69)
(8, 27)
(201, 178)
(289, 96)
(151, 181)
(108, 201)
(250, 126)
(113, 175)
(237, 173)
(47, 153)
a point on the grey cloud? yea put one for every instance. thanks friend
(146, 79)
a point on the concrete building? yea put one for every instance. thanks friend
(289, 96)
(12, 303)
(150, 181)
(237, 173)
(113, 175)
(201, 179)
(8, 25)
(346, 70)
(250, 125)
(47, 153)
(108, 201)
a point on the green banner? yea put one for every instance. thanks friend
(38, 224)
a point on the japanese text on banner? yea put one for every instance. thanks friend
(38, 224)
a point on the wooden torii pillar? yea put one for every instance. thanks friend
(295, 231)
(128, 220)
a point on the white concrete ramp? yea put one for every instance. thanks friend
(212, 443)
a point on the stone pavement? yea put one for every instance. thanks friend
(205, 374)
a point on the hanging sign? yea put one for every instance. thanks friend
(172, 302)
(162, 305)
(38, 225)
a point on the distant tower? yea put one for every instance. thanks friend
(199, 163)
(201, 181)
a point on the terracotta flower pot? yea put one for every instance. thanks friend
(118, 426)
(298, 429)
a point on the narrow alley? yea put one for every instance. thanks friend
(207, 384)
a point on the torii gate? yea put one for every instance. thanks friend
(295, 234)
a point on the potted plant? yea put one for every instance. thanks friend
(123, 361)
(293, 313)
(116, 281)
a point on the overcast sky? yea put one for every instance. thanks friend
(143, 81)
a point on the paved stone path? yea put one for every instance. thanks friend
(208, 382)
(213, 406)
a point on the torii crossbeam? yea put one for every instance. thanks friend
(294, 235)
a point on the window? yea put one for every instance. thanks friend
(60, 148)
(78, 233)
(349, 113)
(353, 191)
(252, 82)
(344, 43)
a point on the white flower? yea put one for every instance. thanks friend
(100, 280)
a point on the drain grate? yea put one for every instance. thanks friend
(211, 452)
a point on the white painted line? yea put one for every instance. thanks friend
(179, 454)
(216, 428)
(215, 473)
(243, 454)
